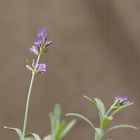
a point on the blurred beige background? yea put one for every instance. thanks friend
(96, 52)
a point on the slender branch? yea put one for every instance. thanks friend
(28, 100)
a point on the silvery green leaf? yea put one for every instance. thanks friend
(90, 100)
(82, 117)
(59, 130)
(101, 108)
(98, 134)
(47, 137)
(57, 110)
(55, 117)
(55, 120)
(121, 126)
(32, 136)
(17, 130)
(67, 128)
(99, 104)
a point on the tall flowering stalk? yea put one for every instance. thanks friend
(58, 128)
(39, 47)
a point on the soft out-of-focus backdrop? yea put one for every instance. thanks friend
(96, 52)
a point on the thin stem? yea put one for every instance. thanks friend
(28, 100)
(110, 109)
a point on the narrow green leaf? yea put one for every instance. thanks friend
(98, 134)
(59, 130)
(47, 137)
(55, 120)
(33, 136)
(82, 117)
(57, 110)
(17, 130)
(101, 108)
(67, 128)
(121, 108)
(121, 126)
(99, 104)
(90, 100)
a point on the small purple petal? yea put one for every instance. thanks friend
(34, 49)
(38, 42)
(117, 98)
(48, 43)
(41, 33)
(41, 68)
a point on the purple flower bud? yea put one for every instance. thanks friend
(48, 43)
(37, 68)
(121, 100)
(34, 49)
(38, 42)
(41, 67)
(42, 32)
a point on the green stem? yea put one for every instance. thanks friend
(28, 100)
(110, 109)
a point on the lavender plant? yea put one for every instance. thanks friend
(58, 128)
(120, 103)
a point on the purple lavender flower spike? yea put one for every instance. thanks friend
(121, 100)
(41, 44)
(41, 68)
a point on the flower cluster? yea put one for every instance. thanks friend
(121, 100)
(39, 47)
(41, 44)
(36, 67)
